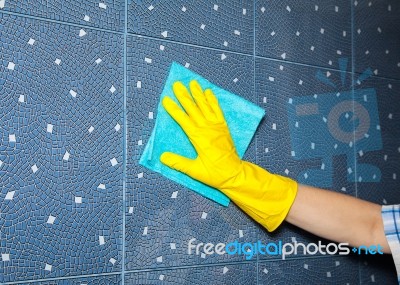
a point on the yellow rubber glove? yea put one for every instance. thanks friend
(266, 197)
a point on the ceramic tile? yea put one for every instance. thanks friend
(61, 195)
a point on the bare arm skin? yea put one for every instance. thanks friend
(338, 217)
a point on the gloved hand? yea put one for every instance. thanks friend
(266, 197)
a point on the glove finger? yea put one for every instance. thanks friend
(177, 114)
(213, 103)
(201, 101)
(177, 162)
(186, 100)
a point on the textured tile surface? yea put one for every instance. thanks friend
(218, 274)
(302, 135)
(376, 37)
(162, 215)
(308, 32)
(331, 270)
(60, 195)
(382, 164)
(221, 24)
(100, 280)
(104, 14)
(378, 270)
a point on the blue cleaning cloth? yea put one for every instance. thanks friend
(241, 116)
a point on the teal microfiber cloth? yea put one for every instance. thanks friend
(241, 116)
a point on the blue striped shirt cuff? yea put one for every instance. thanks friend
(391, 223)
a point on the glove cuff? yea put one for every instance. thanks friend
(266, 197)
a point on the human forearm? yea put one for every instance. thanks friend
(338, 217)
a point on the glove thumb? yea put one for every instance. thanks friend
(177, 162)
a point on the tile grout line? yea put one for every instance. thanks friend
(59, 22)
(61, 278)
(125, 146)
(352, 90)
(256, 101)
(191, 266)
(172, 268)
(190, 44)
(254, 56)
(302, 257)
(183, 43)
(354, 131)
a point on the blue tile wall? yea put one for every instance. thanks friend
(99, 280)
(376, 26)
(331, 270)
(103, 14)
(230, 274)
(377, 270)
(384, 161)
(79, 87)
(61, 192)
(220, 24)
(315, 33)
(296, 138)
